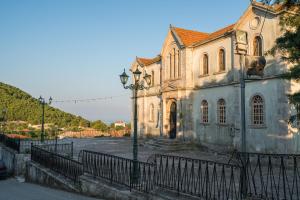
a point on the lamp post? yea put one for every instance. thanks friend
(138, 85)
(43, 103)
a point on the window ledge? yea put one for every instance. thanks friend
(219, 72)
(219, 124)
(204, 124)
(203, 75)
(167, 80)
(263, 126)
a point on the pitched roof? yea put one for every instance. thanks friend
(189, 37)
(148, 61)
(216, 34)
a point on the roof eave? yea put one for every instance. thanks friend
(145, 65)
(176, 37)
(210, 40)
(139, 62)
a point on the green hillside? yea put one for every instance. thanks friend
(22, 106)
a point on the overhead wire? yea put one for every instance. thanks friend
(90, 100)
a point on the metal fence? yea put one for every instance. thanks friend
(119, 170)
(271, 176)
(202, 178)
(25, 144)
(61, 164)
(13, 143)
(65, 149)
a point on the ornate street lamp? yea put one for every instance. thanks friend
(43, 103)
(138, 85)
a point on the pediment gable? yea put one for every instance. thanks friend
(171, 41)
(256, 10)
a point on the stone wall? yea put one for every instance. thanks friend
(15, 162)
(87, 185)
(38, 174)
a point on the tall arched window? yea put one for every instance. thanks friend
(151, 113)
(258, 116)
(178, 63)
(204, 111)
(222, 60)
(170, 65)
(205, 64)
(152, 78)
(174, 63)
(257, 46)
(221, 111)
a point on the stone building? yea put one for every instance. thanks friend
(195, 89)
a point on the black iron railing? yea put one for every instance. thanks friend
(205, 179)
(61, 164)
(25, 144)
(65, 149)
(119, 170)
(13, 143)
(271, 176)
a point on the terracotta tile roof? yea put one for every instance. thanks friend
(189, 37)
(221, 32)
(17, 136)
(148, 61)
(216, 34)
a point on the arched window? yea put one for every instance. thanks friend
(178, 63)
(221, 111)
(257, 46)
(174, 63)
(257, 104)
(204, 111)
(151, 113)
(222, 60)
(170, 65)
(205, 64)
(152, 78)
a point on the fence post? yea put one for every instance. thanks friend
(283, 176)
(19, 145)
(31, 144)
(111, 170)
(72, 149)
(244, 178)
(130, 172)
(55, 144)
(179, 175)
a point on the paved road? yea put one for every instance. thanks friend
(11, 189)
(123, 147)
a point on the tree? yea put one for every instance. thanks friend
(118, 128)
(99, 125)
(288, 45)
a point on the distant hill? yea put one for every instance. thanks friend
(22, 106)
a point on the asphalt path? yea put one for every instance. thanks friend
(11, 189)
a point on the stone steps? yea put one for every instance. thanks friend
(169, 144)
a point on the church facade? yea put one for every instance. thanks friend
(195, 90)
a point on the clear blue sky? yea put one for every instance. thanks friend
(77, 48)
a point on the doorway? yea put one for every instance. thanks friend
(173, 120)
